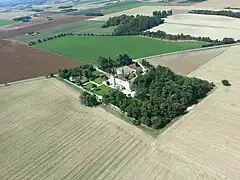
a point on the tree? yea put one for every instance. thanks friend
(88, 99)
(226, 82)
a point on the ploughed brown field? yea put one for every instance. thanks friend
(19, 62)
(37, 27)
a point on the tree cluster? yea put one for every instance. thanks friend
(37, 10)
(109, 65)
(131, 25)
(94, 14)
(23, 18)
(88, 99)
(220, 13)
(64, 7)
(163, 35)
(161, 95)
(68, 10)
(162, 14)
(85, 71)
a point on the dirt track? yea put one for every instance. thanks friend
(19, 61)
(37, 27)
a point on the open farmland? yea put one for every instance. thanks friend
(90, 48)
(37, 27)
(116, 7)
(220, 3)
(185, 62)
(19, 61)
(215, 27)
(4, 22)
(47, 134)
(75, 27)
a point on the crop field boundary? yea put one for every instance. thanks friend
(187, 51)
(22, 81)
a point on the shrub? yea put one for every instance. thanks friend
(226, 82)
(88, 99)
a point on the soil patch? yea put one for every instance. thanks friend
(19, 61)
(37, 27)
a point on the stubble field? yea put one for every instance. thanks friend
(185, 62)
(46, 134)
(215, 27)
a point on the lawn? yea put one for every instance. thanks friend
(98, 80)
(88, 86)
(4, 22)
(76, 27)
(103, 89)
(89, 48)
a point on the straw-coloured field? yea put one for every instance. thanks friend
(185, 62)
(215, 27)
(46, 134)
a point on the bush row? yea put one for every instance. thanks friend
(220, 13)
(163, 35)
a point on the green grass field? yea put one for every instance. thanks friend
(117, 7)
(76, 27)
(98, 80)
(4, 22)
(89, 48)
(88, 86)
(103, 89)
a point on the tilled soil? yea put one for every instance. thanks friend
(37, 27)
(18, 62)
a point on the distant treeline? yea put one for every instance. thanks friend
(94, 14)
(37, 10)
(220, 13)
(65, 7)
(131, 25)
(23, 18)
(163, 35)
(68, 10)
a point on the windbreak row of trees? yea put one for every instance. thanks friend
(131, 25)
(109, 65)
(94, 14)
(32, 43)
(220, 13)
(161, 95)
(163, 35)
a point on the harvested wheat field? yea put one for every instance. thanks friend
(215, 27)
(220, 3)
(185, 62)
(19, 62)
(47, 134)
